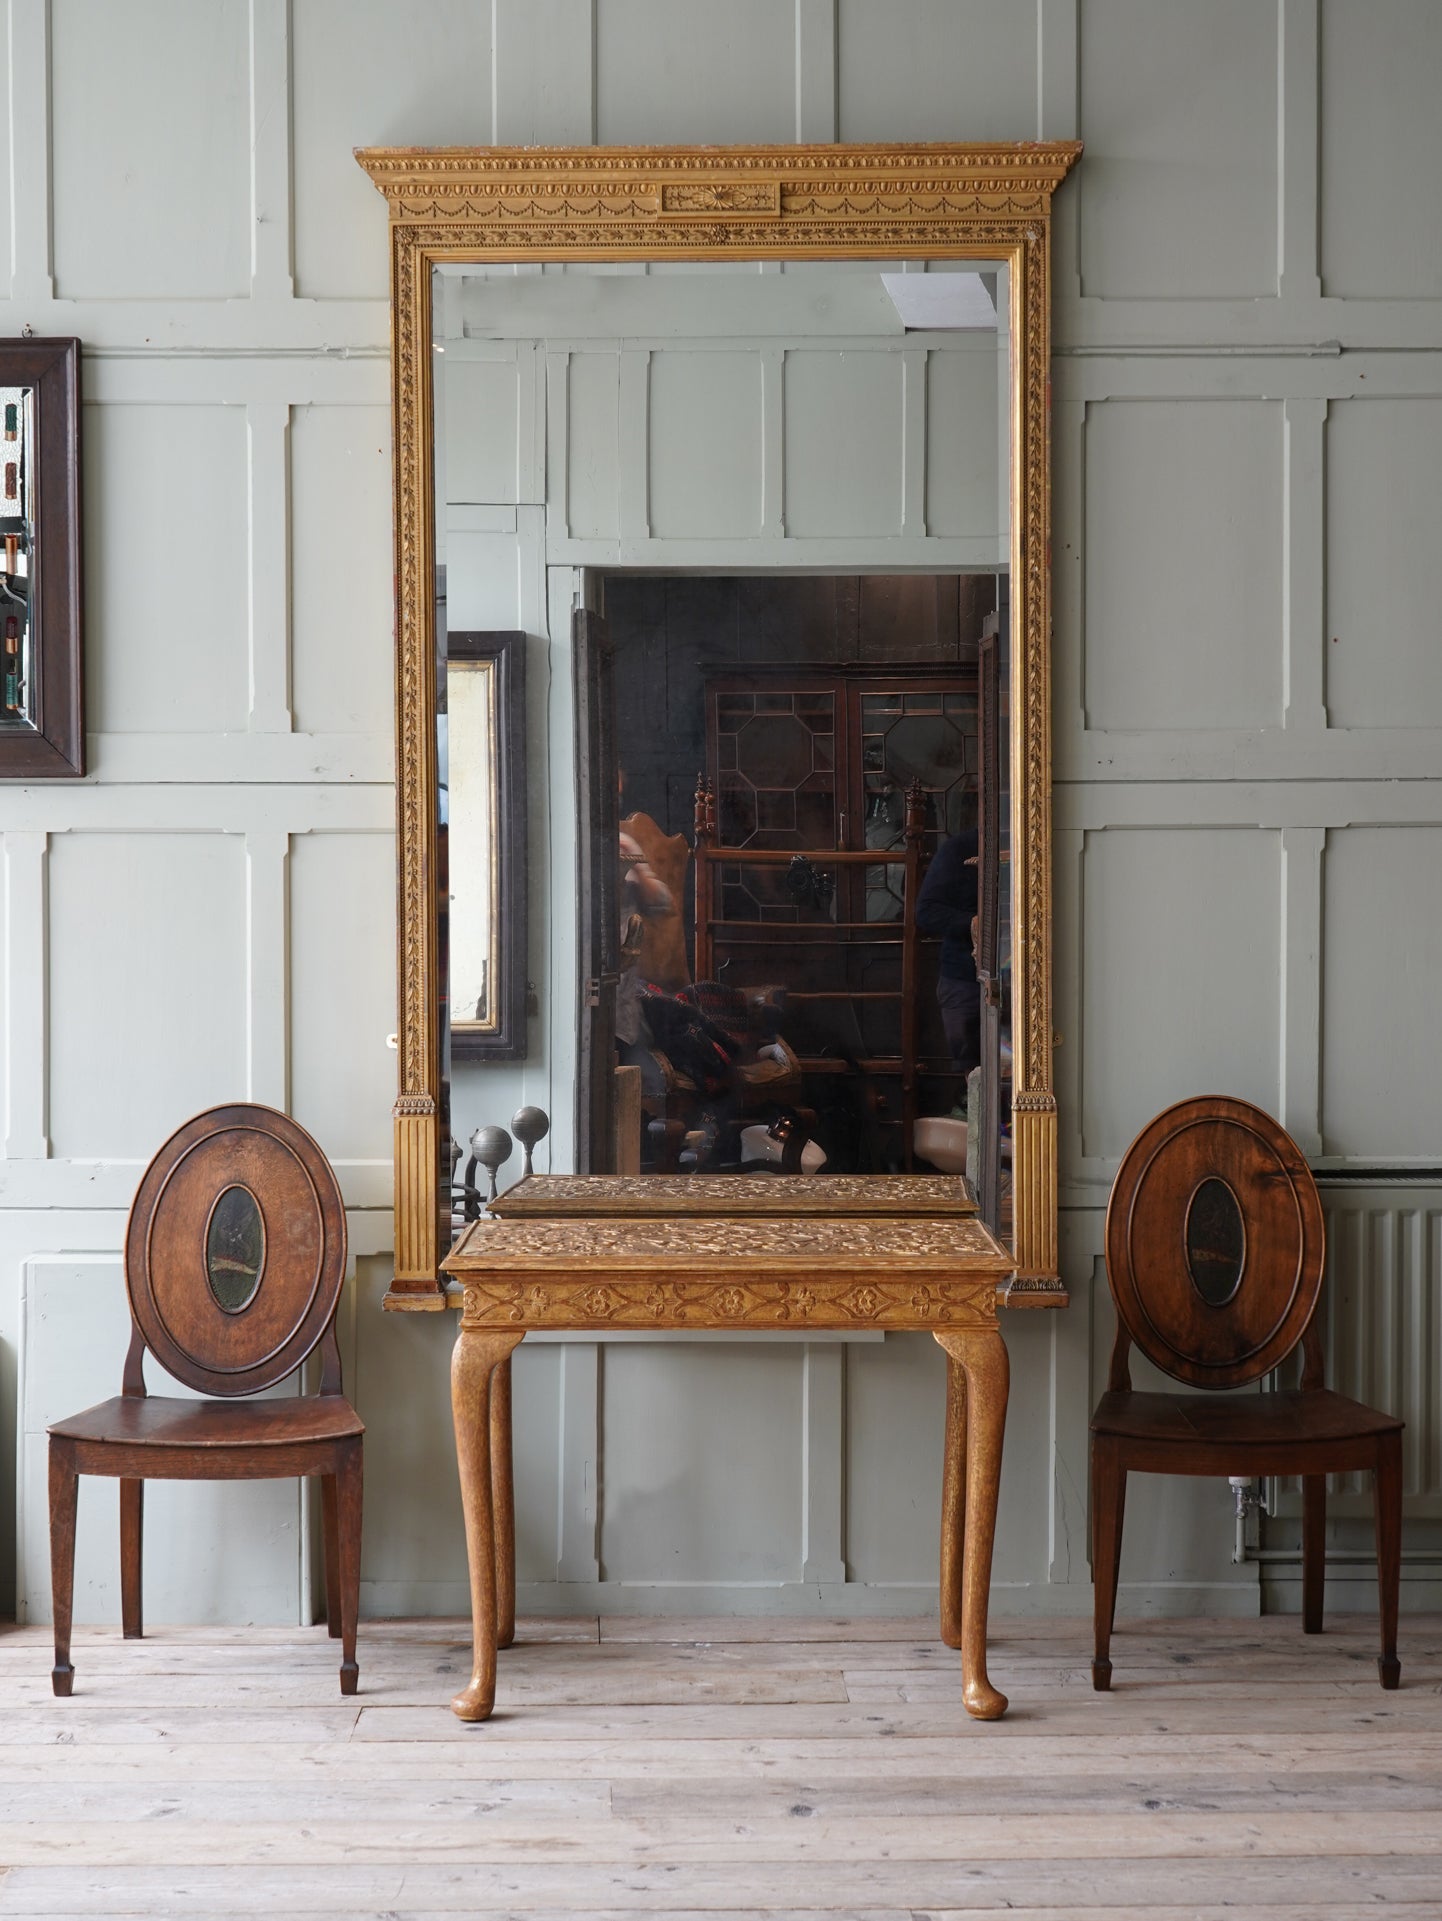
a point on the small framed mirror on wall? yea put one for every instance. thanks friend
(800, 395)
(42, 726)
(481, 782)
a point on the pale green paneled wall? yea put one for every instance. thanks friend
(1248, 718)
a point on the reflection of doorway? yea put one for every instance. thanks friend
(809, 705)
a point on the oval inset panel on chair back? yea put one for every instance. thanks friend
(1215, 1242)
(235, 1249)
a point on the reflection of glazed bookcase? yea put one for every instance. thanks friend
(811, 768)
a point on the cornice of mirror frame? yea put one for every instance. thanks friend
(470, 204)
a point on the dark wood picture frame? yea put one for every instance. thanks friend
(510, 949)
(54, 746)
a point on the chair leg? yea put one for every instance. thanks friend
(1388, 1503)
(331, 1544)
(132, 1530)
(503, 1504)
(64, 1499)
(1314, 1550)
(348, 1529)
(1109, 1496)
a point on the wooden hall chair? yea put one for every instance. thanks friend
(1215, 1246)
(235, 1252)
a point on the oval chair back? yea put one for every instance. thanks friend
(1215, 1247)
(235, 1252)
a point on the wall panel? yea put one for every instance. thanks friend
(693, 73)
(481, 428)
(590, 425)
(340, 612)
(896, 1388)
(342, 990)
(1178, 110)
(942, 69)
(368, 78)
(1179, 962)
(1382, 947)
(1379, 68)
(413, 1548)
(217, 1551)
(705, 458)
(147, 986)
(719, 1499)
(962, 452)
(1183, 564)
(132, 219)
(1384, 506)
(166, 569)
(11, 79)
(844, 435)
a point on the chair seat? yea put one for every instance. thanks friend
(1244, 1420)
(157, 1421)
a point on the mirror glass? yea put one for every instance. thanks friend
(235, 1249)
(17, 526)
(468, 780)
(1216, 1242)
(775, 496)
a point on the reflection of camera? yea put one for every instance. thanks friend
(806, 886)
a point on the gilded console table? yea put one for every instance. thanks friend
(594, 1252)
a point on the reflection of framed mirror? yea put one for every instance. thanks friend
(481, 780)
(919, 205)
(42, 731)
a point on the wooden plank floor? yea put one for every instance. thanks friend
(724, 1768)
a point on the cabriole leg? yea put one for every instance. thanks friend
(479, 1351)
(982, 1355)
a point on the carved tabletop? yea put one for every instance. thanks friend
(787, 1197)
(656, 1252)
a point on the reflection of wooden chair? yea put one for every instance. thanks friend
(663, 936)
(1215, 1247)
(235, 1253)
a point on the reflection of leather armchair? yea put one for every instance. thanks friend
(662, 957)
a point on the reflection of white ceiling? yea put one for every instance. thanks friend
(943, 302)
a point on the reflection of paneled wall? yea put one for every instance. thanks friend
(1247, 703)
(764, 424)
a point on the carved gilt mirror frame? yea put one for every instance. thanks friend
(989, 203)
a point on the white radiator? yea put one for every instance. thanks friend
(1382, 1332)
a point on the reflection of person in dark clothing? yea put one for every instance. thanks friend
(946, 907)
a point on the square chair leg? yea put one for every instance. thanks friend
(1388, 1504)
(64, 1499)
(1109, 1498)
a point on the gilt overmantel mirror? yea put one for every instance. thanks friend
(757, 257)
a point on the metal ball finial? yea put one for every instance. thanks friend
(492, 1148)
(530, 1126)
